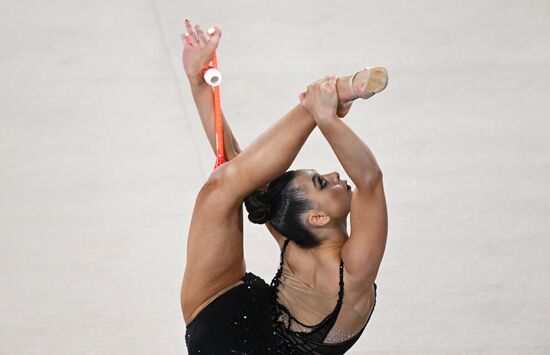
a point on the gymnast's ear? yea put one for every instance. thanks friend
(318, 218)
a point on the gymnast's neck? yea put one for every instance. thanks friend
(332, 241)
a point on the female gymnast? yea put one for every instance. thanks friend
(324, 293)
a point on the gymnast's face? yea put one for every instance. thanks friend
(328, 194)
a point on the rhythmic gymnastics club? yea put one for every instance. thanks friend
(213, 77)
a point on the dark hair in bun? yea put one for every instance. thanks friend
(283, 205)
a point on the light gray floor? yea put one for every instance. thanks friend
(102, 154)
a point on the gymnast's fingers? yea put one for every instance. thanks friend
(302, 96)
(186, 38)
(200, 35)
(329, 79)
(214, 34)
(192, 36)
(332, 82)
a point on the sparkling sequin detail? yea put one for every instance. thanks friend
(293, 337)
(248, 319)
(237, 322)
(337, 336)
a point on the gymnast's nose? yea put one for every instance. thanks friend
(335, 176)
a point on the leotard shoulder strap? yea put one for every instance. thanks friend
(318, 332)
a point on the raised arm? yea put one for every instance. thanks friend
(203, 96)
(271, 154)
(194, 59)
(363, 252)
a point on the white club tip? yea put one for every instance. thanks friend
(213, 77)
(211, 31)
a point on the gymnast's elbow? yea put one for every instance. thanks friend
(371, 180)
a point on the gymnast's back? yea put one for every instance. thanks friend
(285, 317)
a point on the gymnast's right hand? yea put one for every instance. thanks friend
(198, 49)
(321, 98)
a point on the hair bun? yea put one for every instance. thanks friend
(258, 207)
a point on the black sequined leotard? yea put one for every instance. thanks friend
(248, 319)
(237, 322)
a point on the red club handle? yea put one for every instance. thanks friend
(218, 122)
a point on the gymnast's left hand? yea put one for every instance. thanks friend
(198, 49)
(321, 98)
